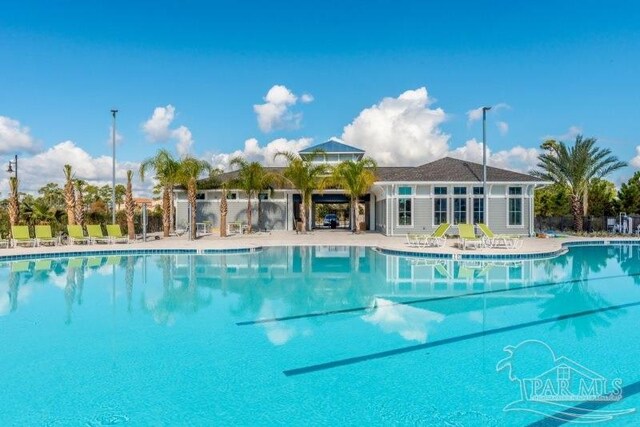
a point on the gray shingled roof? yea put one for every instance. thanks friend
(449, 169)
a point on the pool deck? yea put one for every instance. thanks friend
(318, 237)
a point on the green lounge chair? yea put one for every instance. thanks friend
(76, 235)
(20, 266)
(44, 235)
(468, 235)
(416, 240)
(4, 242)
(20, 236)
(115, 233)
(439, 236)
(95, 234)
(95, 262)
(499, 240)
(43, 265)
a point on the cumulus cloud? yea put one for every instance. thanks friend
(569, 135)
(253, 151)
(476, 113)
(119, 137)
(400, 131)
(503, 128)
(517, 158)
(275, 113)
(158, 129)
(635, 162)
(47, 166)
(14, 137)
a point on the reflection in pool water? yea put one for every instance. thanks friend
(166, 339)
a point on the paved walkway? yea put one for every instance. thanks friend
(319, 237)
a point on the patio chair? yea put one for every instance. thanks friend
(498, 240)
(115, 233)
(76, 235)
(20, 236)
(468, 235)
(44, 235)
(439, 236)
(416, 240)
(95, 234)
(4, 242)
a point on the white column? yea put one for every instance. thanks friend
(372, 212)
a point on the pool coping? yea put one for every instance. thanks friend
(564, 247)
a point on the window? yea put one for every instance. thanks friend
(478, 205)
(440, 191)
(199, 196)
(232, 196)
(478, 210)
(439, 211)
(514, 214)
(459, 190)
(404, 206)
(263, 196)
(459, 210)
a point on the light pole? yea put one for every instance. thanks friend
(10, 168)
(484, 163)
(113, 188)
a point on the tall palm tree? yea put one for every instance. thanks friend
(79, 211)
(575, 167)
(252, 178)
(189, 170)
(224, 210)
(355, 178)
(306, 176)
(166, 169)
(70, 195)
(14, 203)
(129, 206)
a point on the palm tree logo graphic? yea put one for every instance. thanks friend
(558, 387)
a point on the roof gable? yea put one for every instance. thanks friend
(332, 146)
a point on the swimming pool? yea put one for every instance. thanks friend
(318, 335)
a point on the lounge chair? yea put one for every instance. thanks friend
(20, 236)
(43, 265)
(76, 235)
(4, 242)
(416, 240)
(44, 235)
(468, 235)
(439, 236)
(115, 233)
(499, 240)
(95, 234)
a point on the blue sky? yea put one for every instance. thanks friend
(556, 68)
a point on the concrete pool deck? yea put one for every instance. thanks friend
(531, 245)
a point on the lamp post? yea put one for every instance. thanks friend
(484, 163)
(113, 188)
(11, 164)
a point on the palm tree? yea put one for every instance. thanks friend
(575, 167)
(252, 178)
(70, 195)
(224, 210)
(306, 176)
(129, 206)
(189, 170)
(166, 168)
(14, 203)
(355, 178)
(80, 201)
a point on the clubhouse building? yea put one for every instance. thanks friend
(403, 199)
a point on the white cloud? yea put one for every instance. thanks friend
(119, 137)
(47, 166)
(635, 162)
(158, 129)
(252, 151)
(517, 158)
(400, 131)
(569, 135)
(15, 137)
(476, 113)
(503, 127)
(275, 113)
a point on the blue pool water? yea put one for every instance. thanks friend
(318, 335)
